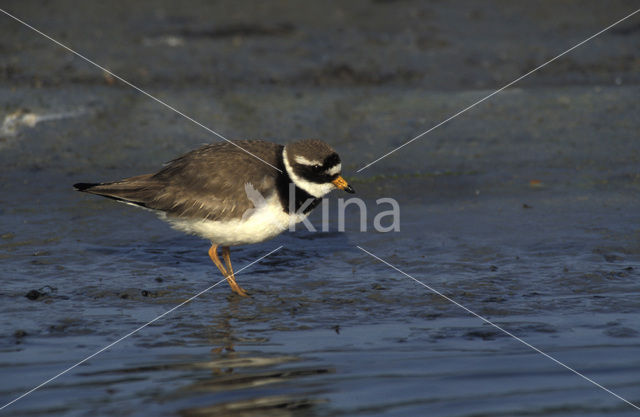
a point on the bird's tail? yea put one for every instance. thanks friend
(136, 190)
(84, 186)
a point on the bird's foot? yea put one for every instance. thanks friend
(239, 290)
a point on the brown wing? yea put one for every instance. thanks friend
(208, 182)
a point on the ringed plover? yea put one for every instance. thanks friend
(234, 194)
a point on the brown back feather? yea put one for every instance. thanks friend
(208, 182)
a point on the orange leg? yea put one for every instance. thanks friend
(226, 255)
(213, 254)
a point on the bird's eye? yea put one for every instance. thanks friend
(316, 166)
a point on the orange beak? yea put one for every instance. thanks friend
(342, 184)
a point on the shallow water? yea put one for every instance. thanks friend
(524, 210)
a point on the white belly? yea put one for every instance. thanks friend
(259, 224)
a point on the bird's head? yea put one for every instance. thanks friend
(314, 167)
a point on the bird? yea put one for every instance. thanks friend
(234, 193)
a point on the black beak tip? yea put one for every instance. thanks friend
(349, 189)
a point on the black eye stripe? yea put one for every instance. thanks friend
(317, 173)
(328, 163)
(314, 175)
(331, 161)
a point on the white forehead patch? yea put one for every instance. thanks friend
(334, 169)
(304, 161)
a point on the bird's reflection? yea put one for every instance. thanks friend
(223, 341)
(244, 375)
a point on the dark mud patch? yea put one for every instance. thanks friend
(43, 292)
(246, 30)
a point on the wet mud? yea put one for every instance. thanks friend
(525, 210)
